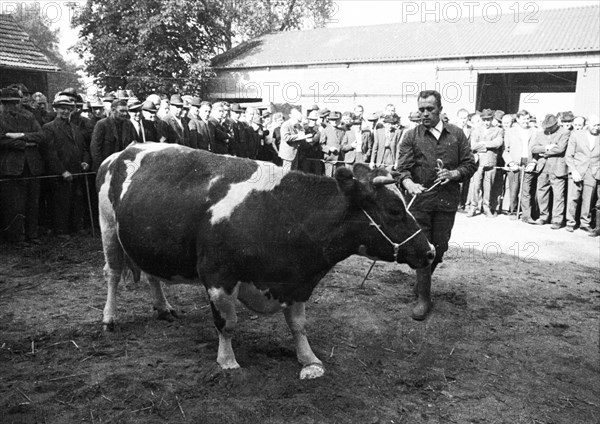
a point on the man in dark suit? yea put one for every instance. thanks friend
(67, 141)
(155, 129)
(549, 147)
(239, 144)
(583, 159)
(221, 136)
(111, 134)
(206, 136)
(23, 153)
(179, 133)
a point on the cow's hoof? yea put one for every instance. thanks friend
(230, 365)
(311, 371)
(168, 315)
(420, 312)
(110, 327)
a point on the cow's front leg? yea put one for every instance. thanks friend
(223, 308)
(161, 304)
(295, 317)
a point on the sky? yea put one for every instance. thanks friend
(346, 12)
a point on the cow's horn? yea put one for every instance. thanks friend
(381, 181)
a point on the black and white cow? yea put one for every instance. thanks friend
(245, 231)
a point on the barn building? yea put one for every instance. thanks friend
(547, 61)
(21, 61)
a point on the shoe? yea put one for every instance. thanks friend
(489, 214)
(556, 226)
(471, 213)
(570, 228)
(513, 217)
(538, 221)
(595, 232)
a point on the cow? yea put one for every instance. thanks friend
(244, 230)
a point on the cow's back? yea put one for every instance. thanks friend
(160, 195)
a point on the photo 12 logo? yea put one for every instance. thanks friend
(452, 12)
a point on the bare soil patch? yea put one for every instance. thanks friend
(514, 338)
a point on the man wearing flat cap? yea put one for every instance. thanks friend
(67, 140)
(329, 140)
(355, 144)
(23, 153)
(239, 145)
(565, 120)
(548, 148)
(311, 153)
(486, 143)
(222, 137)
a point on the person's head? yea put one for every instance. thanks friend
(474, 120)
(64, 106)
(430, 107)
(278, 118)
(204, 111)
(565, 119)
(462, 116)
(218, 111)
(390, 109)
(550, 124)
(120, 110)
(523, 118)
(295, 114)
(593, 124)
(249, 114)
(507, 121)
(176, 106)
(359, 111)
(313, 118)
(39, 101)
(578, 123)
(235, 111)
(226, 109)
(135, 111)
(487, 115)
(149, 110)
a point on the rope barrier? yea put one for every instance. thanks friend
(44, 177)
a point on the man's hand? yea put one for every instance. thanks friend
(445, 176)
(480, 148)
(67, 176)
(576, 176)
(412, 187)
(550, 147)
(513, 166)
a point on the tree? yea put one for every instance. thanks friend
(166, 46)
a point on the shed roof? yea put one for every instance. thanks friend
(18, 51)
(546, 32)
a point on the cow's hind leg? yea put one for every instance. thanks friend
(223, 308)
(113, 268)
(161, 304)
(295, 317)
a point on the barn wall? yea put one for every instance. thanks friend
(33, 80)
(340, 87)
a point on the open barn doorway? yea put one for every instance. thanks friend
(539, 91)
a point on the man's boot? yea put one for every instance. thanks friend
(423, 292)
(596, 231)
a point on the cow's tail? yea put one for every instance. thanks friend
(131, 272)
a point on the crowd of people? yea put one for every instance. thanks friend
(48, 155)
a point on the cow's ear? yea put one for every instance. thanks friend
(347, 183)
(362, 173)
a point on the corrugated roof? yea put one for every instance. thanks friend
(559, 31)
(18, 51)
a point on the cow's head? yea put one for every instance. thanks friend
(386, 230)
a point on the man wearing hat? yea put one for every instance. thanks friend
(311, 153)
(39, 102)
(385, 144)
(565, 120)
(107, 101)
(583, 159)
(84, 124)
(67, 193)
(221, 136)
(292, 136)
(329, 140)
(179, 133)
(239, 145)
(355, 144)
(134, 108)
(97, 111)
(487, 143)
(23, 153)
(111, 134)
(548, 148)
(422, 151)
(193, 116)
(155, 129)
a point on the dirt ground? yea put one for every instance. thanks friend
(513, 338)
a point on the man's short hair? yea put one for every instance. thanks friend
(217, 104)
(428, 93)
(277, 115)
(462, 110)
(580, 117)
(390, 104)
(205, 103)
(523, 112)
